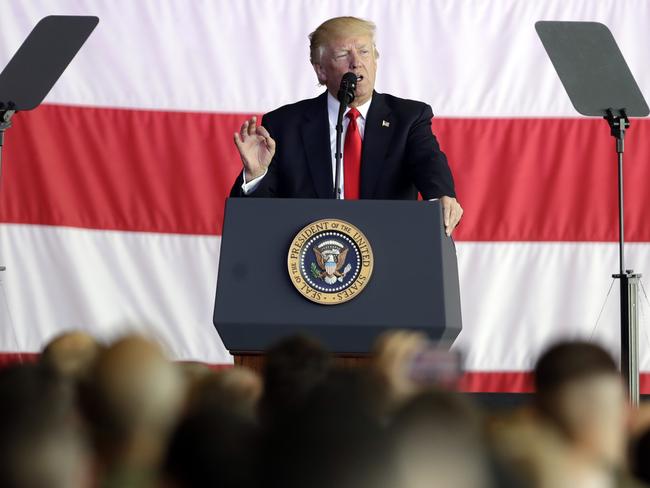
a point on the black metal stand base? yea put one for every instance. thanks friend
(629, 286)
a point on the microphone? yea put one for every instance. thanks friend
(348, 86)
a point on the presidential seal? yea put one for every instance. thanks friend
(330, 261)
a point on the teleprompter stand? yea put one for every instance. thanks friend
(31, 73)
(599, 83)
(37, 65)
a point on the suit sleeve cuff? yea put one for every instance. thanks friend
(251, 186)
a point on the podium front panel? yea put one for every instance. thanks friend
(414, 282)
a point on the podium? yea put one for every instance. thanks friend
(413, 285)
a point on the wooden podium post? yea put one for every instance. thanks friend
(256, 361)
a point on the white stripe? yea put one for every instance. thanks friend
(109, 282)
(516, 297)
(465, 57)
(519, 297)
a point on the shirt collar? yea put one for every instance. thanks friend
(333, 109)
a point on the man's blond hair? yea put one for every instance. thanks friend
(337, 28)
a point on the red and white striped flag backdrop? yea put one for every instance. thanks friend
(113, 191)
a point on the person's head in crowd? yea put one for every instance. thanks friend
(336, 439)
(640, 458)
(341, 45)
(354, 391)
(71, 354)
(580, 391)
(131, 403)
(236, 390)
(212, 447)
(393, 355)
(194, 371)
(439, 441)
(537, 456)
(294, 366)
(41, 443)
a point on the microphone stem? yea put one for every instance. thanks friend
(345, 97)
(338, 156)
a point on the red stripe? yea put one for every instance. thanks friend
(131, 170)
(471, 382)
(9, 358)
(516, 382)
(518, 179)
(501, 382)
(546, 179)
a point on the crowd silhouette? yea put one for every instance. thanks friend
(88, 414)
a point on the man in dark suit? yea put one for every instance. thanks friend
(394, 156)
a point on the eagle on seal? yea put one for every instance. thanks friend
(331, 263)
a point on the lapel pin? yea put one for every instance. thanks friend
(385, 123)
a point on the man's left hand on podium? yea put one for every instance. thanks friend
(452, 212)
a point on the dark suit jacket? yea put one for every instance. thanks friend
(397, 160)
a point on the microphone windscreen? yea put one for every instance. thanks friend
(349, 79)
(347, 88)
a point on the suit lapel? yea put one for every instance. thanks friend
(316, 143)
(376, 139)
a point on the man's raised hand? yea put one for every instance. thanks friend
(256, 148)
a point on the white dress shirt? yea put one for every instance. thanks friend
(332, 113)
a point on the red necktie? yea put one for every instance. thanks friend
(352, 157)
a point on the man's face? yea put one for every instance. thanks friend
(354, 53)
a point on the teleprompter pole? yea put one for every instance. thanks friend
(5, 123)
(629, 281)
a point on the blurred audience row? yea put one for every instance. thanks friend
(123, 415)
